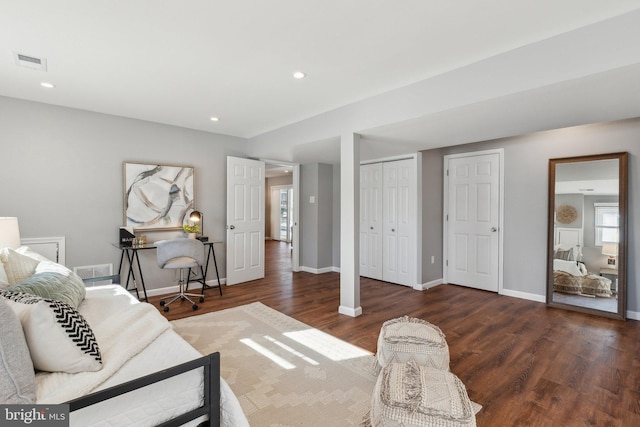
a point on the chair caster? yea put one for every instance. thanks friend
(201, 299)
(162, 303)
(182, 298)
(166, 308)
(194, 306)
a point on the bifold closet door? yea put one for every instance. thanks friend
(371, 221)
(399, 227)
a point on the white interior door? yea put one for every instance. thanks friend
(245, 220)
(473, 221)
(371, 221)
(399, 228)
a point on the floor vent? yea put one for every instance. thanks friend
(91, 271)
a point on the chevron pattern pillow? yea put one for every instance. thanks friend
(58, 337)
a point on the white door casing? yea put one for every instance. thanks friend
(473, 204)
(245, 220)
(371, 220)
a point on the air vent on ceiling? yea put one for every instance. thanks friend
(28, 61)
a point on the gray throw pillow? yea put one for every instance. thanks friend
(565, 255)
(51, 282)
(17, 376)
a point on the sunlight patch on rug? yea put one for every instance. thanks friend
(284, 372)
(327, 345)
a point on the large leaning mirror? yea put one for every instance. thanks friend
(586, 250)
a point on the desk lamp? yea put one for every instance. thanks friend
(9, 232)
(196, 216)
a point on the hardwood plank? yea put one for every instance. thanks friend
(527, 364)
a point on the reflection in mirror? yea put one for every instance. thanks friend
(587, 200)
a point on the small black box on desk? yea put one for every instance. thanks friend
(126, 237)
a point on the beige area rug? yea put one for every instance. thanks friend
(284, 372)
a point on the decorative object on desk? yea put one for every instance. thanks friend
(191, 230)
(126, 236)
(611, 250)
(9, 232)
(157, 197)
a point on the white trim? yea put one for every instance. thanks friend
(348, 311)
(523, 295)
(60, 241)
(317, 270)
(445, 206)
(295, 237)
(428, 285)
(634, 315)
(392, 158)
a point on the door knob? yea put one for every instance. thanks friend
(232, 227)
(393, 230)
(493, 229)
(371, 228)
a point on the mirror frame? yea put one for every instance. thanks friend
(622, 245)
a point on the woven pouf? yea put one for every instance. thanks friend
(411, 395)
(406, 338)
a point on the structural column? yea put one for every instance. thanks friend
(350, 225)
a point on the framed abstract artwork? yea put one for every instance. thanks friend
(157, 197)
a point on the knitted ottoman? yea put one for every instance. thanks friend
(412, 395)
(405, 338)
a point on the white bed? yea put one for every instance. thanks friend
(118, 321)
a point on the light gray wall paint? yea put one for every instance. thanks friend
(324, 202)
(316, 221)
(336, 216)
(525, 211)
(308, 216)
(432, 200)
(61, 170)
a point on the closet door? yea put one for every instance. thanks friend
(399, 219)
(371, 221)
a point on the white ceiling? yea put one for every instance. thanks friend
(180, 63)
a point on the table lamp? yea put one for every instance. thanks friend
(9, 233)
(611, 250)
(196, 216)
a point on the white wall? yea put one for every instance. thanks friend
(61, 171)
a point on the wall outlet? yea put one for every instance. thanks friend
(433, 259)
(312, 199)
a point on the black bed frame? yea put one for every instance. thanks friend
(211, 401)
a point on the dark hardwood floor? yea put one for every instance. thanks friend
(526, 364)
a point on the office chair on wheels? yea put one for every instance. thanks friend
(181, 254)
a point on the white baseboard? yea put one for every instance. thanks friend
(349, 311)
(428, 285)
(319, 270)
(174, 289)
(524, 295)
(633, 315)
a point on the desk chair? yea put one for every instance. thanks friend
(179, 254)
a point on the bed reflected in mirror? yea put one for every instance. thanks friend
(586, 242)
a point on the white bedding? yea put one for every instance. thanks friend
(572, 267)
(153, 404)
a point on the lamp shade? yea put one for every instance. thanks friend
(9, 232)
(196, 216)
(610, 249)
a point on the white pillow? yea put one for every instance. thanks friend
(26, 250)
(58, 337)
(17, 266)
(4, 280)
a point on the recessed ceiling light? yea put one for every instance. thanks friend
(286, 171)
(215, 119)
(47, 85)
(299, 75)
